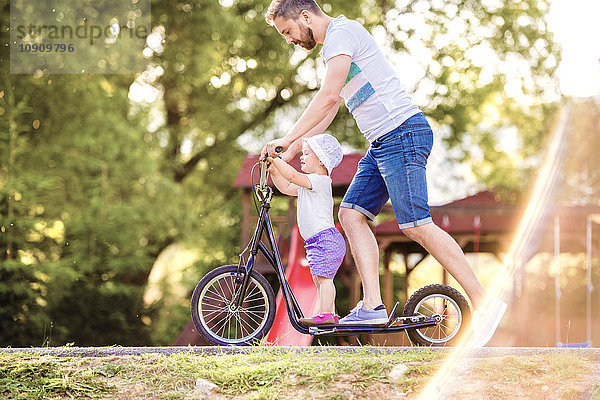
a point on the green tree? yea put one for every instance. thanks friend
(83, 208)
(488, 76)
(21, 287)
(487, 70)
(113, 210)
(82, 211)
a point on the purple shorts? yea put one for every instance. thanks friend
(325, 252)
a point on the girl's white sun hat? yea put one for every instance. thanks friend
(327, 148)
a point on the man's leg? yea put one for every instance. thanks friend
(365, 252)
(448, 253)
(363, 200)
(488, 311)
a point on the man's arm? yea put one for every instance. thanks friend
(320, 107)
(296, 146)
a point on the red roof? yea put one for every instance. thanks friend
(341, 176)
(485, 198)
(465, 221)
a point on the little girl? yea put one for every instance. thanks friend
(325, 246)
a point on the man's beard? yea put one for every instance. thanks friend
(307, 40)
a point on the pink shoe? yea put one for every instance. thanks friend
(320, 319)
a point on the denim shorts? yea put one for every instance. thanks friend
(394, 168)
(325, 252)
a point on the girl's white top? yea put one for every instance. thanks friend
(315, 206)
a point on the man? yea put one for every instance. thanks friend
(394, 166)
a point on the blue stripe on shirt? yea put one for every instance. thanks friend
(360, 96)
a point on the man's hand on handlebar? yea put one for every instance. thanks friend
(274, 147)
(292, 151)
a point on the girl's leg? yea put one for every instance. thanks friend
(326, 291)
(326, 298)
(318, 286)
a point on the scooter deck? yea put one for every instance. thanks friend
(341, 325)
(392, 325)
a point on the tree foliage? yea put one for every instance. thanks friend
(82, 212)
(484, 69)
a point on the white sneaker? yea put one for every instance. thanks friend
(485, 321)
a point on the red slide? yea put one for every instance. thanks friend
(298, 275)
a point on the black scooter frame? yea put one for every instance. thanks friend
(264, 194)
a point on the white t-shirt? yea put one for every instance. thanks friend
(373, 93)
(315, 206)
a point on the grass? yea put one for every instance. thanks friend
(23, 377)
(260, 374)
(266, 373)
(557, 375)
(596, 393)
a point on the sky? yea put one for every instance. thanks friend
(576, 27)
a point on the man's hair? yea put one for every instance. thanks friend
(290, 9)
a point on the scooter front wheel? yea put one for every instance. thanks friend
(216, 316)
(445, 304)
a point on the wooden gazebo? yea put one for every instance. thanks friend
(478, 223)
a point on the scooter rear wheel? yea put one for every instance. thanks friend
(215, 315)
(444, 303)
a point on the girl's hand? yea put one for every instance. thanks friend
(270, 165)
